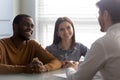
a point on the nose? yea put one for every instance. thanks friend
(66, 31)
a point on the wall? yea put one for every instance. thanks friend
(16, 7)
(24, 6)
(6, 15)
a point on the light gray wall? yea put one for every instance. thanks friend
(28, 7)
(25, 7)
(16, 7)
(6, 15)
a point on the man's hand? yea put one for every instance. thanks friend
(37, 66)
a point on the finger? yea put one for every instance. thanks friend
(76, 62)
(40, 63)
(71, 61)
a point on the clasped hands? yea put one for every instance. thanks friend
(36, 66)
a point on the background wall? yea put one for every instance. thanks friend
(6, 15)
(16, 7)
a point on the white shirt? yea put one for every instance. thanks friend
(104, 56)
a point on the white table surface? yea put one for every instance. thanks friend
(44, 76)
(52, 75)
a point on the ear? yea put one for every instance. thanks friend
(15, 27)
(106, 16)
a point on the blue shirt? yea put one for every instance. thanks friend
(72, 54)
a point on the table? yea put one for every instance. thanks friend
(43, 76)
(52, 75)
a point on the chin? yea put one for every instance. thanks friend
(102, 30)
(28, 38)
(25, 38)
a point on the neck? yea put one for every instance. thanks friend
(17, 41)
(65, 45)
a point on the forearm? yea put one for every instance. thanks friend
(13, 69)
(53, 65)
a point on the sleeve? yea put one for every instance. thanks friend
(70, 71)
(49, 49)
(50, 62)
(0, 51)
(13, 69)
(0, 55)
(83, 49)
(93, 62)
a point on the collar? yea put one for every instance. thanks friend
(114, 27)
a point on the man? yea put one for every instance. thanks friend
(104, 54)
(19, 54)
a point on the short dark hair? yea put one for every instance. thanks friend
(60, 20)
(19, 18)
(113, 8)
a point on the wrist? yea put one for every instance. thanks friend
(46, 69)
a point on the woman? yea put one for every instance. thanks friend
(64, 46)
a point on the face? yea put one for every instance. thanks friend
(65, 31)
(104, 20)
(25, 28)
(101, 22)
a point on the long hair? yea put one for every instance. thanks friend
(60, 20)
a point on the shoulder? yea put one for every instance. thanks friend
(101, 40)
(52, 46)
(107, 41)
(99, 44)
(33, 43)
(4, 40)
(52, 49)
(79, 45)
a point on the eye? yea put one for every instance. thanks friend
(28, 25)
(32, 25)
(69, 27)
(61, 29)
(25, 24)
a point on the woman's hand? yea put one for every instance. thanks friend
(66, 64)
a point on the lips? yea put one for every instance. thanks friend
(28, 33)
(66, 35)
